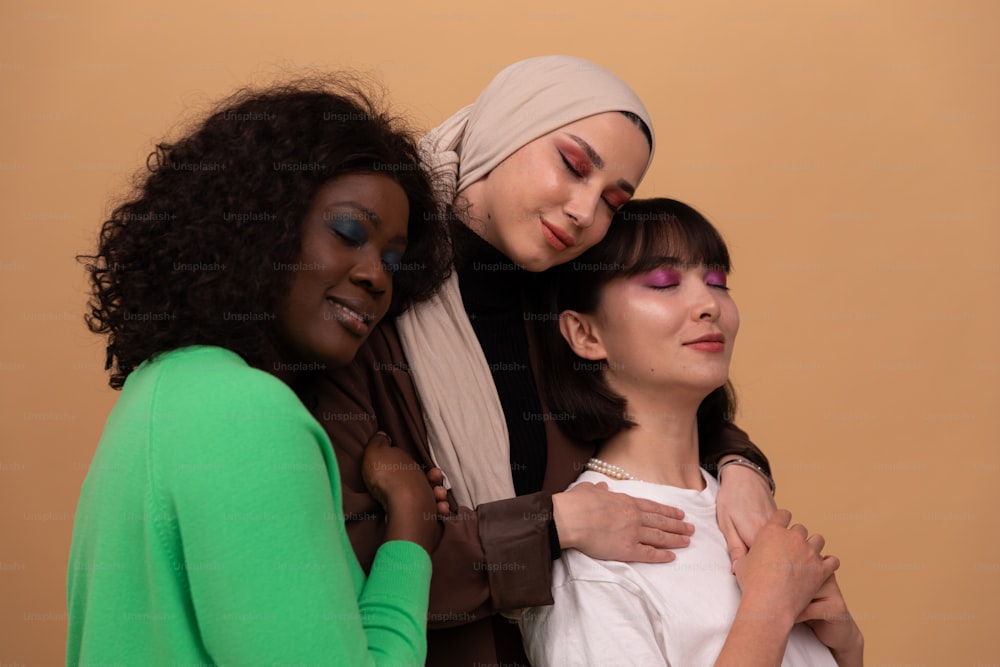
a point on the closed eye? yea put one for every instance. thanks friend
(391, 261)
(663, 279)
(569, 165)
(718, 280)
(349, 229)
(349, 240)
(614, 206)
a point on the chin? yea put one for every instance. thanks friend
(545, 261)
(342, 356)
(531, 263)
(709, 385)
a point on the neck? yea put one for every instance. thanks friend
(663, 446)
(465, 207)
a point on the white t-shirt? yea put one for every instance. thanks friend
(612, 613)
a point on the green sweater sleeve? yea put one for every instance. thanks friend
(249, 487)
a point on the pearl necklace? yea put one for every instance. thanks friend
(614, 472)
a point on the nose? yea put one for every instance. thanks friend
(706, 305)
(370, 274)
(582, 207)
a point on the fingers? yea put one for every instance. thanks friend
(435, 476)
(817, 542)
(781, 518)
(737, 548)
(667, 524)
(380, 438)
(660, 526)
(643, 553)
(441, 500)
(827, 601)
(616, 526)
(658, 539)
(654, 508)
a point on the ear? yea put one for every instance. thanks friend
(582, 334)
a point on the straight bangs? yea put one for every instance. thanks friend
(644, 235)
(650, 233)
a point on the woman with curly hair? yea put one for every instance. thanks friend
(266, 243)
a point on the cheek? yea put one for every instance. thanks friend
(537, 182)
(732, 318)
(517, 175)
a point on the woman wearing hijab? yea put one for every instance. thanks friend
(532, 172)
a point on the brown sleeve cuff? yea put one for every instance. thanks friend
(515, 534)
(733, 441)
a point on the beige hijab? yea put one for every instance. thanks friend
(465, 421)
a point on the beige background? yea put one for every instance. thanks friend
(848, 150)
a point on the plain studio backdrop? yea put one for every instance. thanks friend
(848, 151)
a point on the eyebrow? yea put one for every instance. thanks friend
(369, 214)
(598, 162)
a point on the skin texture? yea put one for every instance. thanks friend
(544, 205)
(615, 526)
(645, 324)
(552, 181)
(651, 331)
(744, 505)
(353, 234)
(354, 231)
(669, 329)
(829, 618)
(745, 501)
(779, 577)
(398, 483)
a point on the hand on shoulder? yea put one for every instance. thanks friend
(615, 526)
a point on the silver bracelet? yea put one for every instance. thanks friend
(747, 464)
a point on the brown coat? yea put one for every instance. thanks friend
(491, 559)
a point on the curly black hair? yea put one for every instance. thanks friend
(216, 218)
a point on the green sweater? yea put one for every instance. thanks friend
(210, 531)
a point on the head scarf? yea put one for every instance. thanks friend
(465, 422)
(523, 102)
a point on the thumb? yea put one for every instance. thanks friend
(781, 518)
(737, 547)
(380, 438)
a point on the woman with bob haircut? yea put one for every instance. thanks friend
(638, 352)
(533, 171)
(264, 244)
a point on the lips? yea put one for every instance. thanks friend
(557, 238)
(713, 342)
(353, 314)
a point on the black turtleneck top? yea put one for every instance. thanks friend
(493, 290)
